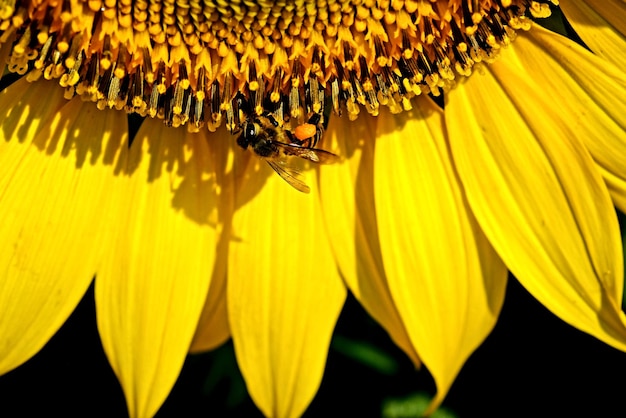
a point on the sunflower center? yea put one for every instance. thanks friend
(201, 62)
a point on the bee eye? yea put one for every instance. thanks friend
(249, 131)
(247, 136)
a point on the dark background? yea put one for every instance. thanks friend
(532, 365)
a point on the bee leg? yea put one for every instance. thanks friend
(309, 133)
(316, 120)
(292, 138)
(242, 141)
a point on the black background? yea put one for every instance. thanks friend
(532, 365)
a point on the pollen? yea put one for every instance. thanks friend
(305, 131)
(207, 62)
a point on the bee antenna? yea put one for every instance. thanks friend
(272, 119)
(244, 104)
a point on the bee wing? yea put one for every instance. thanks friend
(312, 154)
(290, 175)
(325, 157)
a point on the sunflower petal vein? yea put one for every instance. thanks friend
(347, 196)
(52, 202)
(447, 282)
(151, 289)
(538, 196)
(284, 291)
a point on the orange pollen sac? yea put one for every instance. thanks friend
(203, 62)
(305, 131)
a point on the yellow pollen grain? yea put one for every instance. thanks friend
(201, 56)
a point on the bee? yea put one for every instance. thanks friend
(270, 141)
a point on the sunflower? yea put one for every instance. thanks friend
(482, 144)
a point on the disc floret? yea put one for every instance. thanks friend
(191, 62)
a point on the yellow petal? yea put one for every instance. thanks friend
(602, 26)
(284, 290)
(55, 208)
(347, 196)
(538, 197)
(213, 329)
(151, 289)
(23, 115)
(591, 95)
(447, 282)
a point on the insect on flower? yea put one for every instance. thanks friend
(275, 144)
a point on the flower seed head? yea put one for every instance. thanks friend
(199, 62)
